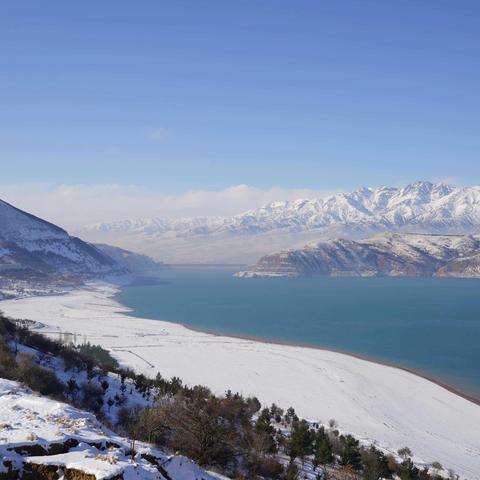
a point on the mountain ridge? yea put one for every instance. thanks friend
(33, 247)
(421, 207)
(387, 254)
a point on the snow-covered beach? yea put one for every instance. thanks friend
(374, 402)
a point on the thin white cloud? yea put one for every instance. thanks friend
(73, 206)
(157, 134)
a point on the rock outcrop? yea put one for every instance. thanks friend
(392, 254)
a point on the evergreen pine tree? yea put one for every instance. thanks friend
(323, 452)
(264, 427)
(408, 471)
(375, 464)
(350, 452)
(301, 440)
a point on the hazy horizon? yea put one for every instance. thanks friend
(206, 108)
(76, 206)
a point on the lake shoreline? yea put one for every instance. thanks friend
(254, 338)
(377, 403)
(467, 396)
(466, 393)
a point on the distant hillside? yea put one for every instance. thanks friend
(33, 248)
(389, 254)
(421, 207)
(133, 262)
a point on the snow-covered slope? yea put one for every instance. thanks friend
(421, 207)
(391, 254)
(43, 438)
(376, 403)
(133, 262)
(30, 246)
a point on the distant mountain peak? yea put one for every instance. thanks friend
(421, 206)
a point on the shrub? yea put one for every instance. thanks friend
(91, 396)
(292, 472)
(99, 355)
(404, 452)
(73, 359)
(269, 467)
(38, 341)
(7, 327)
(7, 361)
(208, 429)
(38, 378)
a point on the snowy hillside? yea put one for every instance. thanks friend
(133, 262)
(32, 247)
(43, 438)
(421, 207)
(390, 254)
(389, 407)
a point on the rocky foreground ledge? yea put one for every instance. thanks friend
(42, 439)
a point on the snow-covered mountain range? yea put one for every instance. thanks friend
(387, 254)
(421, 207)
(32, 247)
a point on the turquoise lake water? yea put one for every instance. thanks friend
(430, 325)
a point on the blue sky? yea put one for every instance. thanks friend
(184, 95)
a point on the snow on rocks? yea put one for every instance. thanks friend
(45, 439)
(39, 248)
(387, 254)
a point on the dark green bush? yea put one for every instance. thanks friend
(99, 355)
(38, 378)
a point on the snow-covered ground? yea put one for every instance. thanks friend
(374, 402)
(130, 397)
(29, 421)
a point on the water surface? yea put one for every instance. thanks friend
(429, 325)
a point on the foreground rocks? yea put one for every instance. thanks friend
(43, 439)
